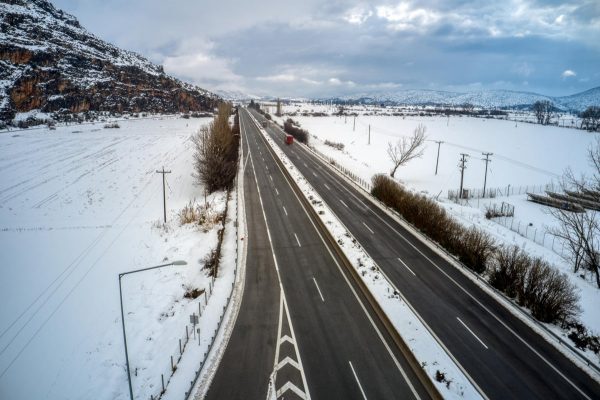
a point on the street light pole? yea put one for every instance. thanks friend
(125, 339)
(123, 315)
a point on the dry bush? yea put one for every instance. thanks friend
(581, 337)
(192, 292)
(188, 214)
(549, 294)
(335, 145)
(476, 249)
(531, 281)
(508, 270)
(534, 284)
(299, 134)
(211, 261)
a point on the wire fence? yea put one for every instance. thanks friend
(506, 191)
(175, 358)
(540, 236)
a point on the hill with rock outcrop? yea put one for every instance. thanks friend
(50, 63)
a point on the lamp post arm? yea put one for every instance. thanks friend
(144, 269)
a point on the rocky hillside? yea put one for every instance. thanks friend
(49, 62)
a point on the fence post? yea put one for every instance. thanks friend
(180, 351)
(162, 381)
(172, 365)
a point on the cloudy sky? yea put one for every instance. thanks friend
(335, 47)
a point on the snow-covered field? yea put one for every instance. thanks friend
(79, 205)
(525, 156)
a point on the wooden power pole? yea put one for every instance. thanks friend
(163, 172)
(462, 165)
(437, 161)
(487, 161)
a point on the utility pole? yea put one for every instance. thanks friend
(487, 160)
(163, 172)
(369, 134)
(439, 142)
(462, 165)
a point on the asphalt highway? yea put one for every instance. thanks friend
(502, 355)
(301, 314)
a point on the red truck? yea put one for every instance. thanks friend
(289, 139)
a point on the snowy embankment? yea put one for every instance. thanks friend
(525, 156)
(420, 340)
(79, 205)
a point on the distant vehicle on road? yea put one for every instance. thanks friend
(289, 139)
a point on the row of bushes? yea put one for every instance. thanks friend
(292, 128)
(216, 151)
(531, 281)
(335, 145)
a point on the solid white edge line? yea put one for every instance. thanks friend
(407, 267)
(319, 290)
(379, 334)
(472, 333)
(357, 381)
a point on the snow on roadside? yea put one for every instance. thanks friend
(423, 345)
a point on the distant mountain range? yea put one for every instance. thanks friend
(504, 99)
(49, 62)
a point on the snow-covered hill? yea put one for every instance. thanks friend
(49, 62)
(483, 99)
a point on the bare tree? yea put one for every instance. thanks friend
(543, 111)
(407, 148)
(590, 118)
(581, 231)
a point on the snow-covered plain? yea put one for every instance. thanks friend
(79, 205)
(525, 156)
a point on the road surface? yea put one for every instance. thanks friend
(503, 356)
(301, 315)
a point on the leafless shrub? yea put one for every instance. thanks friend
(475, 249)
(335, 145)
(192, 292)
(534, 284)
